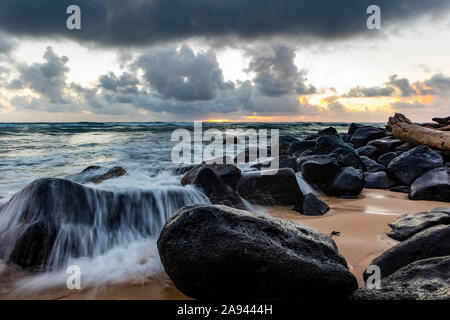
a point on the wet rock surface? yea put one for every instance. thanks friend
(412, 164)
(433, 185)
(410, 224)
(314, 206)
(427, 279)
(220, 252)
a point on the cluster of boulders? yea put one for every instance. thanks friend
(419, 266)
(342, 164)
(224, 183)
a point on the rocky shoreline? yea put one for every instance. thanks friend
(220, 250)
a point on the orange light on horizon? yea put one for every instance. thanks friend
(217, 120)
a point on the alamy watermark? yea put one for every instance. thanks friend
(190, 149)
(73, 22)
(74, 280)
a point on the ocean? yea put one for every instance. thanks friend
(43, 150)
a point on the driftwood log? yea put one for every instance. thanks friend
(404, 129)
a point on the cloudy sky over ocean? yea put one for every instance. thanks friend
(183, 60)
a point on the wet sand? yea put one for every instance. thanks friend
(362, 224)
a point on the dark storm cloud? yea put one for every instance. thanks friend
(140, 22)
(276, 74)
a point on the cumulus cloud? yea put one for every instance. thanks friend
(107, 22)
(394, 87)
(48, 78)
(407, 105)
(276, 74)
(370, 92)
(183, 74)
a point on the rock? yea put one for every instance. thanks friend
(285, 143)
(404, 147)
(372, 165)
(96, 174)
(283, 162)
(348, 160)
(347, 182)
(345, 137)
(428, 243)
(329, 143)
(412, 164)
(280, 188)
(369, 151)
(179, 170)
(426, 279)
(213, 252)
(228, 173)
(216, 190)
(377, 180)
(433, 185)
(353, 127)
(385, 145)
(314, 206)
(318, 169)
(327, 131)
(403, 189)
(365, 134)
(296, 148)
(412, 223)
(386, 158)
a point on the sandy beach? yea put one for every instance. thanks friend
(362, 224)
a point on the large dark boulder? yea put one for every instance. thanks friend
(53, 220)
(347, 182)
(386, 158)
(353, 127)
(377, 180)
(369, 151)
(284, 142)
(348, 160)
(314, 206)
(412, 164)
(385, 145)
(217, 191)
(365, 134)
(433, 185)
(271, 187)
(429, 243)
(329, 143)
(97, 174)
(283, 162)
(296, 148)
(228, 173)
(318, 169)
(427, 279)
(326, 131)
(372, 165)
(412, 223)
(215, 252)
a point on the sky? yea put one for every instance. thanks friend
(224, 60)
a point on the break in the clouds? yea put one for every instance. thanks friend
(141, 22)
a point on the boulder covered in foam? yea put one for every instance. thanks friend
(53, 220)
